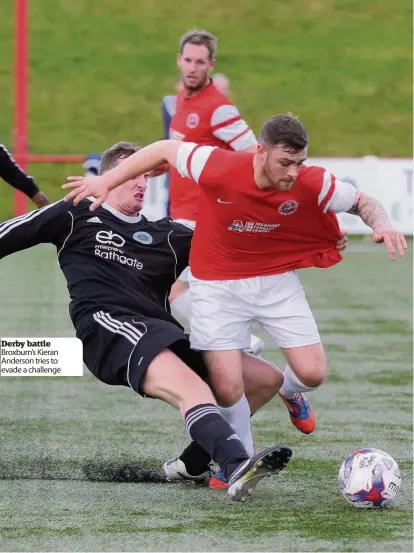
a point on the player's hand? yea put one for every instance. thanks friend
(393, 239)
(40, 199)
(342, 241)
(83, 187)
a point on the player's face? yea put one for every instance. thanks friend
(195, 66)
(131, 193)
(280, 167)
(128, 198)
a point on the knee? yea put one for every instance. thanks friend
(315, 380)
(227, 391)
(225, 370)
(315, 372)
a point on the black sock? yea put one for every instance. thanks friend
(195, 458)
(214, 434)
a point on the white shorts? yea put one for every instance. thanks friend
(222, 312)
(184, 275)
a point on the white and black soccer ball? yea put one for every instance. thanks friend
(369, 478)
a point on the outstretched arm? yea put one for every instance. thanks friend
(374, 215)
(150, 157)
(49, 224)
(346, 199)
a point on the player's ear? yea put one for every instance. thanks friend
(212, 64)
(178, 59)
(261, 150)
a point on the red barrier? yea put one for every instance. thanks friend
(49, 158)
(20, 130)
(20, 100)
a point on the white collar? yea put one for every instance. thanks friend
(122, 216)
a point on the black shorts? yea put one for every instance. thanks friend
(118, 347)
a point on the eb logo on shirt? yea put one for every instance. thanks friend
(109, 237)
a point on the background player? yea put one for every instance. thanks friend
(203, 114)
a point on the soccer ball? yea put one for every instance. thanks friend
(369, 478)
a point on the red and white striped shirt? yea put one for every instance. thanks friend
(243, 231)
(207, 118)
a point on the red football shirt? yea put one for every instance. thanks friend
(206, 118)
(243, 231)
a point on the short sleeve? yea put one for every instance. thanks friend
(228, 126)
(343, 197)
(334, 195)
(206, 165)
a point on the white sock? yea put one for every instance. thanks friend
(182, 305)
(238, 416)
(292, 385)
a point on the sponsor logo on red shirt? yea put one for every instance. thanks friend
(252, 226)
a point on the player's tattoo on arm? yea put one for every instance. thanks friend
(370, 211)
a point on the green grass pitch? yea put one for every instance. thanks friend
(98, 70)
(62, 439)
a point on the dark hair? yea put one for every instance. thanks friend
(286, 131)
(200, 37)
(112, 155)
